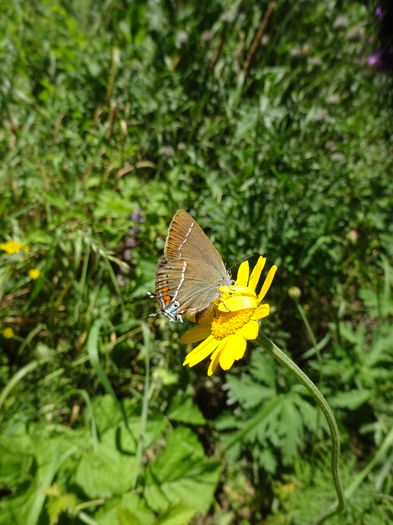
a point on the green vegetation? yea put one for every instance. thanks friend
(280, 146)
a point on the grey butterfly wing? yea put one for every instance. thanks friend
(191, 271)
(187, 240)
(194, 291)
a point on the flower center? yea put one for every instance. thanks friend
(228, 323)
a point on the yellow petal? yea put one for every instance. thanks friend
(261, 312)
(8, 333)
(34, 273)
(267, 283)
(250, 330)
(237, 346)
(215, 358)
(226, 358)
(196, 333)
(12, 247)
(237, 302)
(201, 351)
(256, 273)
(243, 274)
(235, 288)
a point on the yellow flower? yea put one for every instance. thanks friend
(12, 247)
(34, 273)
(233, 321)
(8, 333)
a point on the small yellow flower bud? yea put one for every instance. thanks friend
(294, 293)
(8, 333)
(34, 273)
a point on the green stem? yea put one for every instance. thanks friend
(309, 330)
(286, 361)
(306, 323)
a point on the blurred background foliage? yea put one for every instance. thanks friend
(270, 123)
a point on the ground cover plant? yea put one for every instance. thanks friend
(271, 123)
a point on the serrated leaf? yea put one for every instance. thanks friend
(380, 351)
(184, 410)
(181, 474)
(254, 429)
(263, 369)
(179, 514)
(265, 458)
(125, 516)
(112, 427)
(126, 437)
(351, 400)
(352, 335)
(105, 471)
(128, 506)
(311, 415)
(106, 412)
(227, 421)
(291, 430)
(246, 391)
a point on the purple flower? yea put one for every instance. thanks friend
(375, 59)
(381, 59)
(378, 12)
(137, 216)
(127, 255)
(131, 242)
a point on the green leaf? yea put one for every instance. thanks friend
(266, 458)
(16, 460)
(353, 335)
(106, 412)
(49, 453)
(105, 471)
(179, 514)
(255, 426)
(246, 391)
(311, 415)
(181, 474)
(108, 469)
(18, 510)
(351, 400)
(129, 509)
(291, 430)
(127, 517)
(59, 504)
(263, 369)
(57, 200)
(184, 410)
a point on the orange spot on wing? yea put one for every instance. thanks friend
(167, 298)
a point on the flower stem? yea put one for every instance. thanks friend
(286, 361)
(310, 331)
